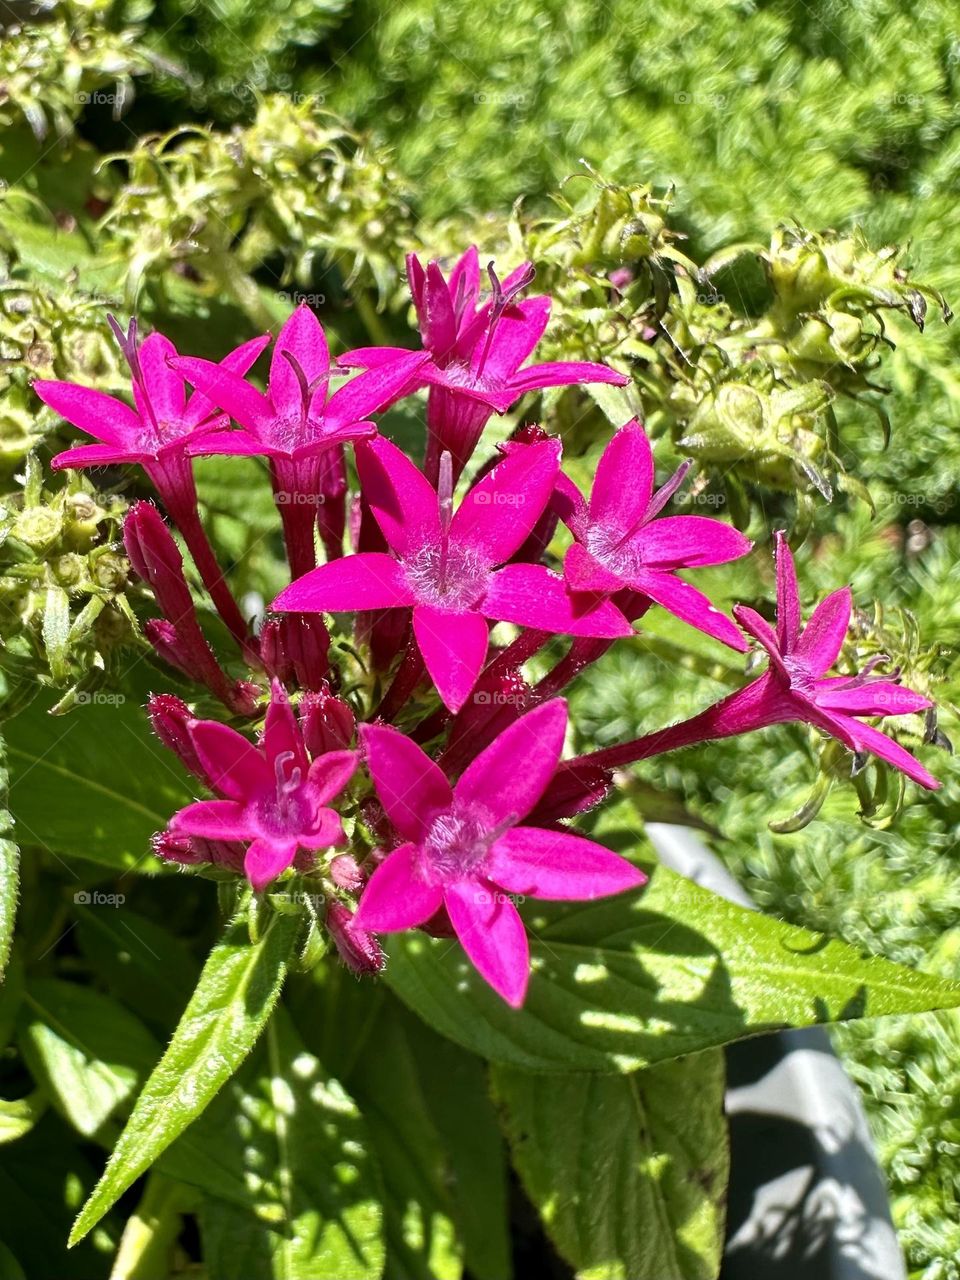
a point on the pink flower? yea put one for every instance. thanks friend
(156, 435)
(277, 800)
(444, 564)
(620, 545)
(795, 686)
(295, 423)
(476, 352)
(466, 850)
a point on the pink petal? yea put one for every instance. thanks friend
(623, 484)
(327, 831)
(330, 773)
(402, 499)
(369, 580)
(676, 542)
(100, 415)
(229, 392)
(761, 630)
(302, 335)
(412, 789)
(212, 820)
(570, 506)
(266, 859)
(788, 595)
(438, 325)
(863, 737)
(492, 934)
(873, 698)
(583, 573)
(823, 636)
(97, 455)
(558, 865)
(376, 389)
(396, 897)
(164, 385)
(465, 280)
(531, 596)
(497, 515)
(453, 647)
(518, 331)
(281, 730)
(689, 605)
(509, 776)
(557, 373)
(371, 357)
(240, 360)
(228, 443)
(233, 765)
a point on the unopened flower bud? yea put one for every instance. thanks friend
(38, 528)
(346, 874)
(170, 718)
(68, 569)
(328, 723)
(359, 950)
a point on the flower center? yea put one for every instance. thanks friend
(618, 554)
(458, 841)
(447, 576)
(287, 810)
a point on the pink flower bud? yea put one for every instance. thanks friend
(328, 723)
(345, 873)
(170, 718)
(359, 950)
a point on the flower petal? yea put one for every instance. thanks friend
(453, 647)
(517, 332)
(376, 389)
(788, 595)
(240, 360)
(281, 730)
(623, 484)
(509, 776)
(411, 788)
(583, 573)
(396, 897)
(492, 934)
(823, 636)
(231, 763)
(326, 832)
(97, 455)
(230, 392)
(164, 385)
(689, 605)
(371, 357)
(863, 737)
(761, 630)
(266, 859)
(676, 542)
(872, 698)
(402, 499)
(558, 865)
(368, 580)
(438, 324)
(101, 416)
(330, 773)
(529, 595)
(552, 373)
(497, 514)
(230, 443)
(302, 335)
(212, 820)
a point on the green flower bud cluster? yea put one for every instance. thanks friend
(64, 615)
(60, 60)
(294, 185)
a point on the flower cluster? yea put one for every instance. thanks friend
(441, 768)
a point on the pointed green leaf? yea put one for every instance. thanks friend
(19, 1116)
(629, 981)
(234, 998)
(628, 1172)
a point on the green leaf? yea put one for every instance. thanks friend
(629, 981)
(87, 1051)
(309, 1187)
(19, 1116)
(96, 784)
(628, 1172)
(234, 998)
(9, 869)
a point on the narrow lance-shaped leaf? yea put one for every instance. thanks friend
(629, 1172)
(9, 869)
(234, 998)
(629, 981)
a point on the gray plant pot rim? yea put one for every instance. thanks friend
(807, 1197)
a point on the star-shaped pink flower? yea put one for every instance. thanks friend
(476, 352)
(444, 564)
(621, 545)
(466, 849)
(277, 799)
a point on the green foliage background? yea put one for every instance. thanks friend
(753, 114)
